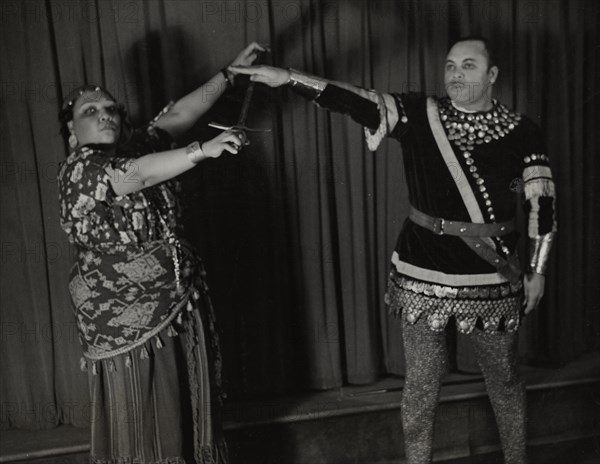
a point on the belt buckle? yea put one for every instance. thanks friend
(438, 226)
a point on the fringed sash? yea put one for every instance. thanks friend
(123, 299)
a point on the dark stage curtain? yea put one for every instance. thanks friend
(296, 231)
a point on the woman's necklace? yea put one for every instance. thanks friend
(161, 208)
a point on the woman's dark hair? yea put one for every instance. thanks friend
(491, 55)
(66, 111)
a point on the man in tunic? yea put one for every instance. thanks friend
(465, 156)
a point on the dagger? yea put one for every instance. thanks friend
(241, 122)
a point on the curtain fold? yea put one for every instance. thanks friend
(297, 230)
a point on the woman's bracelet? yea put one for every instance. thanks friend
(228, 75)
(194, 152)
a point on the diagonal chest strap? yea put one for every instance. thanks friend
(456, 171)
(483, 246)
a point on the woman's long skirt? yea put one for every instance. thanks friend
(160, 402)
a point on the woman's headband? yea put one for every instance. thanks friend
(75, 94)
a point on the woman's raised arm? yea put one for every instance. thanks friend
(187, 110)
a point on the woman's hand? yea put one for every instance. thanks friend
(229, 140)
(248, 55)
(273, 77)
(534, 284)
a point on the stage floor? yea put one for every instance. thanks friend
(71, 444)
(386, 393)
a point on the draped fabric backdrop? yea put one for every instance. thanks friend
(296, 231)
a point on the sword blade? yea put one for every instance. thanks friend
(246, 105)
(236, 127)
(247, 98)
(241, 123)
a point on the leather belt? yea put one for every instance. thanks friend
(441, 226)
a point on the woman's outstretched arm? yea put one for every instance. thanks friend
(154, 168)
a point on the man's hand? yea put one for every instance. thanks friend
(247, 56)
(534, 290)
(273, 77)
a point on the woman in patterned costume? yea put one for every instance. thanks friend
(143, 312)
(465, 157)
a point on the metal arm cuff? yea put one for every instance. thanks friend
(309, 86)
(539, 252)
(194, 152)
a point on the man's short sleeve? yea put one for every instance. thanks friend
(407, 106)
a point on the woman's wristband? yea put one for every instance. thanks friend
(194, 152)
(228, 75)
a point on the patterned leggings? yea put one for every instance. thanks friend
(426, 364)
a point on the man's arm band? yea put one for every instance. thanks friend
(539, 252)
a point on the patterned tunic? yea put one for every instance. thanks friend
(130, 258)
(501, 154)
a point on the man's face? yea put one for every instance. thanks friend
(467, 77)
(96, 119)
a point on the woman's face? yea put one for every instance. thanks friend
(96, 119)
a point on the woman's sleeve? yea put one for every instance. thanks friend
(86, 195)
(149, 138)
(540, 199)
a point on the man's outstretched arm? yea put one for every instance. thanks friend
(377, 112)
